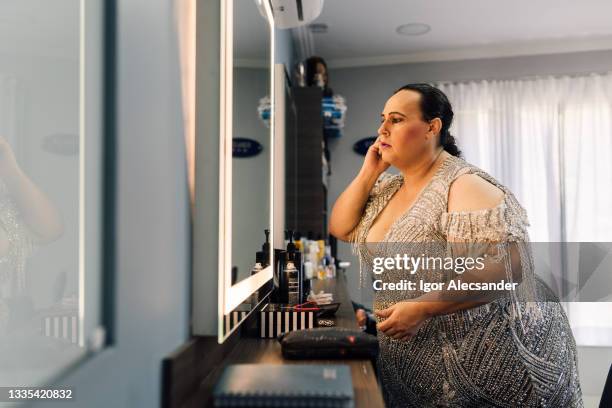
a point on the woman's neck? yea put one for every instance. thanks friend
(416, 172)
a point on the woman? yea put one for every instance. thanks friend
(27, 217)
(457, 349)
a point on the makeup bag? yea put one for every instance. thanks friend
(328, 343)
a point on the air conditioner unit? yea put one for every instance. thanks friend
(292, 13)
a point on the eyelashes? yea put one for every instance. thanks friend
(393, 120)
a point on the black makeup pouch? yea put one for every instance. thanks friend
(328, 343)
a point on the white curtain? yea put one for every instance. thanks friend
(550, 141)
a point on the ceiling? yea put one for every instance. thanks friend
(251, 35)
(362, 32)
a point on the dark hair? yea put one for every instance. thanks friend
(311, 69)
(435, 104)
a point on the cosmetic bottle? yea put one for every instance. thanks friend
(298, 242)
(313, 257)
(293, 284)
(289, 241)
(279, 290)
(321, 244)
(304, 242)
(294, 256)
(321, 272)
(263, 256)
(255, 296)
(305, 289)
(330, 263)
(308, 270)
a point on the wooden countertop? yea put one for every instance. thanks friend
(267, 351)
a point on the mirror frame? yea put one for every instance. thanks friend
(230, 296)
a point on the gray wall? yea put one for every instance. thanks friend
(285, 52)
(367, 88)
(152, 242)
(251, 175)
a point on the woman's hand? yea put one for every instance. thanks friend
(348, 209)
(362, 317)
(373, 165)
(403, 319)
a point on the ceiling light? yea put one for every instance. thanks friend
(413, 29)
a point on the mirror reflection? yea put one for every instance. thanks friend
(42, 320)
(251, 137)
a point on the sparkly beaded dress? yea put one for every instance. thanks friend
(506, 353)
(13, 261)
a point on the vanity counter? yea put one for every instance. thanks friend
(268, 351)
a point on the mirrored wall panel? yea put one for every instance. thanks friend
(50, 186)
(251, 137)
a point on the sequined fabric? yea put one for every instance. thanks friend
(13, 263)
(506, 353)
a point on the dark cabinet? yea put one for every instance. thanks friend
(305, 190)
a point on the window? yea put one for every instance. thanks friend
(550, 141)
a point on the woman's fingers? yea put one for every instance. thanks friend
(361, 317)
(389, 328)
(384, 326)
(385, 312)
(376, 143)
(391, 332)
(376, 149)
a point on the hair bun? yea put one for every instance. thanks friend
(449, 143)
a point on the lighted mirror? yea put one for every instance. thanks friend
(246, 162)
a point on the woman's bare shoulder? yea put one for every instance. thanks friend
(470, 192)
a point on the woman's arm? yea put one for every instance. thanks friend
(349, 206)
(37, 211)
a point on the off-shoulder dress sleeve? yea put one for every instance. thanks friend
(505, 222)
